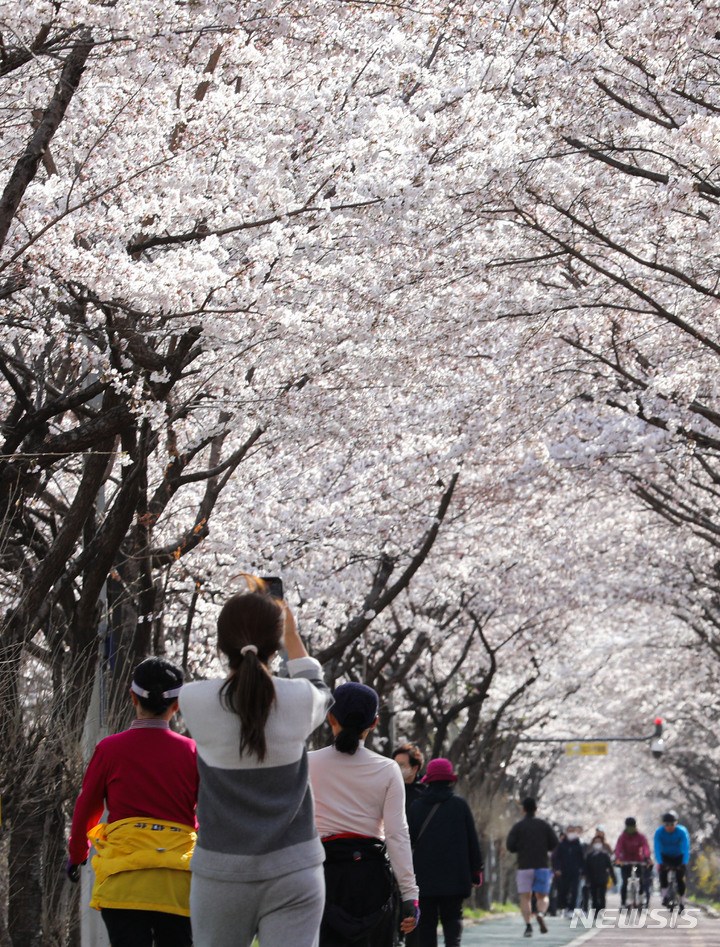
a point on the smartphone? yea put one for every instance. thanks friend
(273, 586)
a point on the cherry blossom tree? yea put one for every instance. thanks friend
(413, 304)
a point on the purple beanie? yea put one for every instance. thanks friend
(356, 706)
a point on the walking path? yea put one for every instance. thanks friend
(656, 929)
(509, 930)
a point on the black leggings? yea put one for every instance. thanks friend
(567, 891)
(128, 928)
(597, 895)
(673, 861)
(448, 909)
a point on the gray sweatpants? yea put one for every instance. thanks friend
(282, 911)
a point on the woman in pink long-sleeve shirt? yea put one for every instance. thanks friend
(360, 816)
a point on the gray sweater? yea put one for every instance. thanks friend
(256, 820)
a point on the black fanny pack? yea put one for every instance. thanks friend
(354, 849)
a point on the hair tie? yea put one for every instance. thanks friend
(249, 647)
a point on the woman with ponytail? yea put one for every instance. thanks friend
(147, 779)
(360, 815)
(257, 867)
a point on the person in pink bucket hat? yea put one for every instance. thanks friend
(446, 854)
(439, 770)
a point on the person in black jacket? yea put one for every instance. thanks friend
(598, 870)
(570, 860)
(410, 760)
(446, 855)
(532, 839)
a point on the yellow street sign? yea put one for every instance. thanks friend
(586, 749)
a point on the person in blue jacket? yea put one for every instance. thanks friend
(672, 850)
(446, 855)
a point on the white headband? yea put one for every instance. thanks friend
(141, 692)
(248, 647)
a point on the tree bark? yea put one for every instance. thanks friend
(25, 902)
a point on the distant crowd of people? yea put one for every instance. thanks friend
(558, 873)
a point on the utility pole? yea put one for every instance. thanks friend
(93, 932)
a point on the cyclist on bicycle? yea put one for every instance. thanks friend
(632, 848)
(672, 850)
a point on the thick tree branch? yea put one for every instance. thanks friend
(378, 599)
(215, 485)
(26, 167)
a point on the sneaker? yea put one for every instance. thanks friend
(541, 924)
(528, 930)
(666, 902)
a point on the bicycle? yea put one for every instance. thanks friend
(634, 893)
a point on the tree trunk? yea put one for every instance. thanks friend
(25, 908)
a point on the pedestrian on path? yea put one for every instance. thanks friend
(257, 866)
(147, 779)
(569, 858)
(410, 760)
(598, 870)
(360, 815)
(446, 854)
(600, 833)
(532, 839)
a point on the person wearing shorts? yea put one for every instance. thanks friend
(534, 880)
(532, 839)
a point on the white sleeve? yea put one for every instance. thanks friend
(397, 837)
(310, 670)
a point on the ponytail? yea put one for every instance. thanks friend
(348, 740)
(355, 711)
(249, 633)
(250, 693)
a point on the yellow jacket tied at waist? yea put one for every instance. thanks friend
(142, 865)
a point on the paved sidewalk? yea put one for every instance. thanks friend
(657, 929)
(509, 930)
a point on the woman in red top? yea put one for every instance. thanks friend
(147, 779)
(631, 848)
